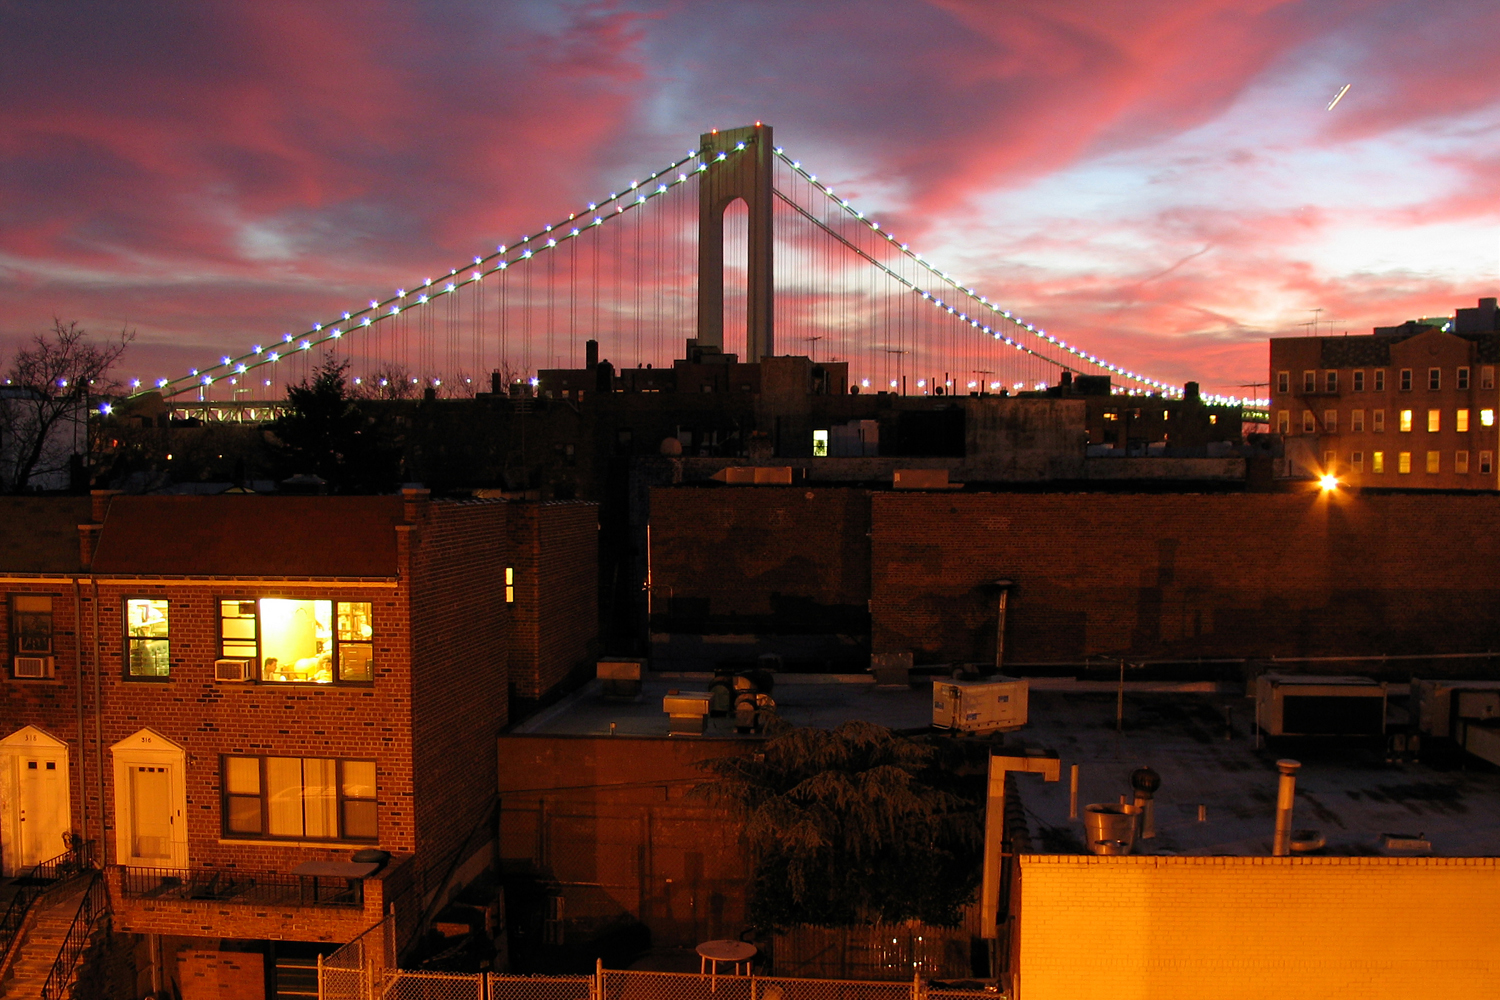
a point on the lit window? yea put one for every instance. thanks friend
(1487, 377)
(1357, 421)
(1485, 462)
(1309, 422)
(31, 625)
(1406, 380)
(1357, 461)
(1380, 380)
(510, 585)
(1486, 418)
(1405, 421)
(1283, 422)
(1111, 416)
(1309, 381)
(1359, 380)
(299, 798)
(147, 645)
(1377, 421)
(1213, 418)
(300, 641)
(1403, 463)
(1434, 379)
(1434, 421)
(1434, 461)
(1461, 462)
(1463, 377)
(1331, 421)
(820, 444)
(1283, 381)
(1461, 421)
(1377, 462)
(1331, 381)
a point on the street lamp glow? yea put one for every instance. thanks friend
(1329, 482)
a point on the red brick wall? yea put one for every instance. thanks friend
(739, 546)
(1185, 576)
(555, 547)
(459, 635)
(220, 975)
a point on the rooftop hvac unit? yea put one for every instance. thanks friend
(1440, 703)
(234, 670)
(1294, 705)
(687, 712)
(33, 667)
(619, 676)
(991, 705)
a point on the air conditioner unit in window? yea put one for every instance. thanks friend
(234, 670)
(34, 667)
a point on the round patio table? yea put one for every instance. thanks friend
(711, 953)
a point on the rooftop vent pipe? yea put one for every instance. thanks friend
(1286, 793)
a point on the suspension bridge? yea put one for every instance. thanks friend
(736, 243)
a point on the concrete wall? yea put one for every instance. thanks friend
(1129, 928)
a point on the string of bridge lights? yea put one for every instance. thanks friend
(978, 300)
(429, 290)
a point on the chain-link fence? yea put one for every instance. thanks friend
(365, 969)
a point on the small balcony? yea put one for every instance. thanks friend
(249, 888)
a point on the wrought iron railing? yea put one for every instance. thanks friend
(33, 882)
(93, 908)
(226, 885)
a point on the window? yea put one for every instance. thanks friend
(1357, 461)
(1377, 462)
(299, 798)
(147, 647)
(1461, 462)
(300, 641)
(1487, 377)
(510, 585)
(1406, 380)
(820, 444)
(1213, 418)
(1377, 421)
(1463, 377)
(1309, 381)
(1486, 418)
(1434, 461)
(1434, 421)
(1357, 421)
(1485, 462)
(31, 625)
(1283, 381)
(1111, 416)
(1403, 463)
(1331, 421)
(1434, 379)
(1405, 421)
(1309, 422)
(1330, 463)
(1380, 380)
(1331, 381)
(1461, 421)
(1359, 380)
(1283, 422)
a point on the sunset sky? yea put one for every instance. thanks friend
(1160, 182)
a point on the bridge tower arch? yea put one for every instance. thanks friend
(746, 175)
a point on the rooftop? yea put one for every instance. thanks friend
(1345, 788)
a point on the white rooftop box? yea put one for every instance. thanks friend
(1309, 705)
(983, 706)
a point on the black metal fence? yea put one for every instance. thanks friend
(223, 885)
(36, 880)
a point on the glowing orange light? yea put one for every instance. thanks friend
(1329, 482)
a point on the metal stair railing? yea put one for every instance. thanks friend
(93, 908)
(77, 859)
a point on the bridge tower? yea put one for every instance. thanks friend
(745, 174)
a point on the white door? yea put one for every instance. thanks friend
(43, 802)
(150, 814)
(35, 812)
(150, 799)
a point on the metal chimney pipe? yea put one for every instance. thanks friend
(1004, 587)
(1286, 794)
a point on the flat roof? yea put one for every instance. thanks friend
(1345, 788)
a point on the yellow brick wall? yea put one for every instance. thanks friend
(1133, 928)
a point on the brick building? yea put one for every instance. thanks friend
(1407, 406)
(219, 691)
(1159, 577)
(554, 605)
